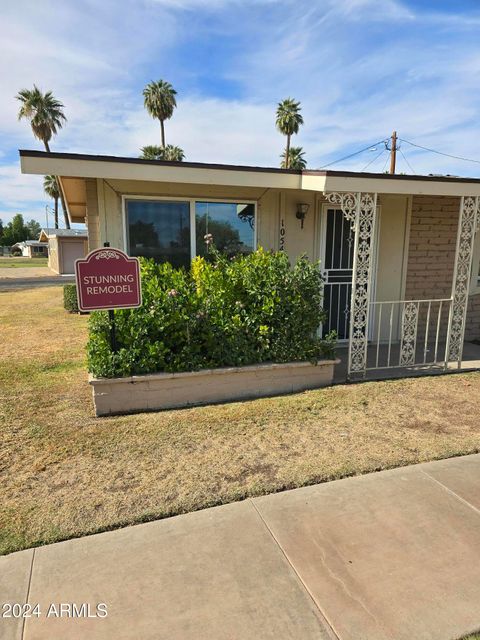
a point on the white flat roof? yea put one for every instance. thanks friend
(74, 167)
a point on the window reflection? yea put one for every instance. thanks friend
(230, 224)
(160, 230)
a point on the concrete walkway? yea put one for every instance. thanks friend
(387, 556)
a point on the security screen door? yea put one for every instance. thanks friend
(336, 255)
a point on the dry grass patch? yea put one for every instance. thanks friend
(12, 263)
(65, 473)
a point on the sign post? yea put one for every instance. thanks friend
(108, 279)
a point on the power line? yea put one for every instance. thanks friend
(441, 153)
(385, 163)
(352, 154)
(408, 163)
(372, 161)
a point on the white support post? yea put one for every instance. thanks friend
(468, 223)
(361, 210)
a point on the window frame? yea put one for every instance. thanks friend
(193, 222)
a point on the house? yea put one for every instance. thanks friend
(64, 247)
(400, 253)
(31, 248)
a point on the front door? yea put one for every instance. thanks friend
(336, 256)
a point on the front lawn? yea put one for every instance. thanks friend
(11, 262)
(65, 473)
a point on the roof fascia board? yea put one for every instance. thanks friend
(404, 187)
(82, 168)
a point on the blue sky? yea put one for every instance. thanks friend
(360, 68)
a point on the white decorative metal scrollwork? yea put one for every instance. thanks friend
(360, 209)
(409, 333)
(107, 254)
(347, 202)
(468, 223)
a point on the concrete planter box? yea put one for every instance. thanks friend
(171, 390)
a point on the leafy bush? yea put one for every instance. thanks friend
(70, 302)
(223, 312)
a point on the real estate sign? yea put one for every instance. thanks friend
(108, 279)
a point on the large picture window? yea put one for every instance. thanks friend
(160, 229)
(174, 231)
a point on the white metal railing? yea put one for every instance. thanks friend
(408, 333)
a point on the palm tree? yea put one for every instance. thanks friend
(44, 112)
(170, 153)
(46, 117)
(50, 186)
(288, 122)
(296, 158)
(159, 101)
(152, 152)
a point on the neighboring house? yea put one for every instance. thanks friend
(399, 253)
(64, 247)
(32, 248)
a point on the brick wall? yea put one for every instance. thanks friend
(431, 253)
(431, 257)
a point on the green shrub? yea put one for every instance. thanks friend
(70, 302)
(223, 312)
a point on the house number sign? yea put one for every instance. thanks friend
(282, 235)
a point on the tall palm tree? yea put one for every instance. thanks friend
(46, 117)
(160, 101)
(50, 186)
(296, 159)
(44, 112)
(170, 153)
(288, 122)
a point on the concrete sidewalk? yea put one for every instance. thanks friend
(386, 556)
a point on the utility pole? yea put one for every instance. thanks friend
(393, 152)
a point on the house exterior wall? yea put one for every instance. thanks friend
(472, 327)
(92, 219)
(53, 254)
(391, 260)
(416, 242)
(105, 216)
(431, 256)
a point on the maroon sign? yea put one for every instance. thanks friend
(108, 279)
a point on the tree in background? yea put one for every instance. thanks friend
(160, 101)
(34, 230)
(296, 158)
(288, 122)
(50, 186)
(46, 117)
(15, 231)
(169, 153)
(1, 230)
